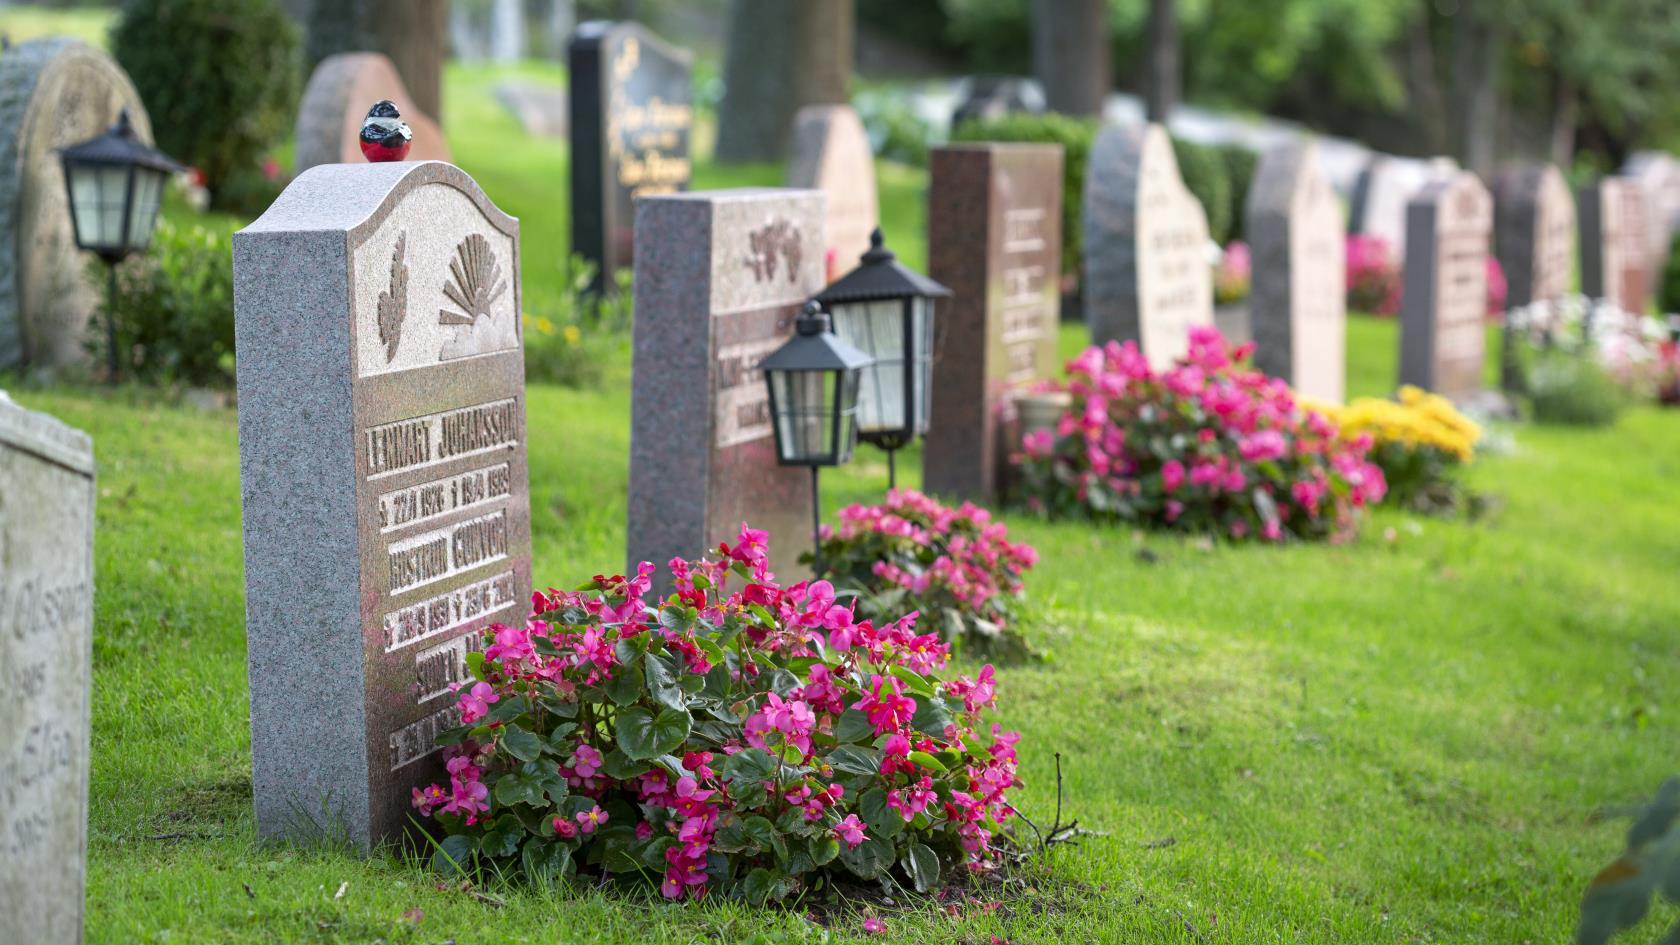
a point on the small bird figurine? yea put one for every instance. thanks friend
(385, 136)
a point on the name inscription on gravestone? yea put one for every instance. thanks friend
(423, 524)
(1442, 311)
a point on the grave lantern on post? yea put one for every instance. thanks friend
(886, 310)
(813, 380)
(115, 183)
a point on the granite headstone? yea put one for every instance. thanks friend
(632, 115)
(1534, 233)
(383, 470)
(1658, 174)
(336, 100)
(1612, 214)
(995, 239)
(1147, 274)
(46, 650)
(1382, 191)
(1444, 298)
(831, 154)
(720, 276)
(53, 92)
(1298, 302)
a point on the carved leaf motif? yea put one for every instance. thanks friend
(475, 282)
(393, 302)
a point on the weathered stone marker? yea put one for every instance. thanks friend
(1534, 233)
(995, 239)
(1444, 300)
(1658, 176)
(382, 463)
(720, 276)
(631, 112)
(1147, 274)
(336, 101)
(1298, 303)
(53, 92)
(831, 154)
(46, 651)
(1382, 191)
(1614, 242)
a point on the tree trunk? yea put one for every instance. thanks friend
(413, 33)
(1163, 84)
(1476, 57)
(781, 57)
(1565, 108)
(1071, 54)
(1430, 107)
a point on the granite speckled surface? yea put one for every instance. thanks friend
(1297, 304)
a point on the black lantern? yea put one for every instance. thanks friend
(886, 310)
(115, 183)
(813, 381)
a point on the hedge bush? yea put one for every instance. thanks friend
(1075, 136)
(1240, 164)
(1668, 294)
(1203, 170)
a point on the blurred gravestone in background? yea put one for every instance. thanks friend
(414, 34)
(53, 92)
(336, 100)
(781, 57)
(1614, 247)
(1381, 192)
(1444, 301)
(1534, 233)
(831, 154)
(1658, 176)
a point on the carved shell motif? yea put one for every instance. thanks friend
(475, 282)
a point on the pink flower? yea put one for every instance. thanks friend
(1172, 475)
(586, 761)
(590, 819)
(475, 702)
(564, 828)
(850, 831)
(886, 708)
(874, 926)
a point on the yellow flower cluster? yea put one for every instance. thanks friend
(1419, 418)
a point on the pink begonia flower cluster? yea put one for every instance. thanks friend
(937, 559)
(721, 736)
(1210, 445)
(1234, 277)
(1373, 275)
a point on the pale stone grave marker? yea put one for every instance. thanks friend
(831, 154)
(1444, 300)
(1534, 233)
(1614, 262)
(1382, 191)
(336, 100)
(720, 276)
(1298, 301)
(383, 469)
(995, 239)
(1148, 277)
(1658, 174)
(46, 651)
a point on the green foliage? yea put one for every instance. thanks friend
(1572, 388)
(174, 309)
(1203, 170)
(572, 344)
(1619, 897)
(1240, 164)
(220, 78)
(1075, 136)
(1668, 296)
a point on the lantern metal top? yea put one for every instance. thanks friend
(815, 347)
(119, 145)
(880, 275)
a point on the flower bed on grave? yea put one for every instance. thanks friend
(1210, 445)
(756, 743)
(1421, 442)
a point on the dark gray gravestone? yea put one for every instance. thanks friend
(1298, 304)
(1614, 247)
(53, 92)
(1444, 302)
(46, 649)
(995, 239)
(720, 276)
(1147, 274)
(1534, 233)
(382, 464)
(632, 114)
(1381, 192)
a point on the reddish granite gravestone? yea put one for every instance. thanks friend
(720, 276)
(383, 472)
(1534, 233)
(1442, 308)
(995, 239)
(632, 113)
(336, 100)
(831, 154)
(1614, 260)
(1147, 274)
(1298, 305)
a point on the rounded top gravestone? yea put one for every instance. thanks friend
(53, 92)
(831, 154)
(336, 100)
(1381, 192)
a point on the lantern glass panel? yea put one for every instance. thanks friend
(815, 415)
(98, 197)
(921, 372)
(877, 329)
(142, 217)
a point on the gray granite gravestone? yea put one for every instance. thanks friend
(1658, 175)
(1534, 233)
(720, 276)
(1381, 192)
(1614, 262)
(1444, 298)
(995, 239)
(831, 154)
(1148, 277)
(53, 92)
(1298, 303)
(46, 650)
(382, 464)
(632, 116)
(336, 100)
